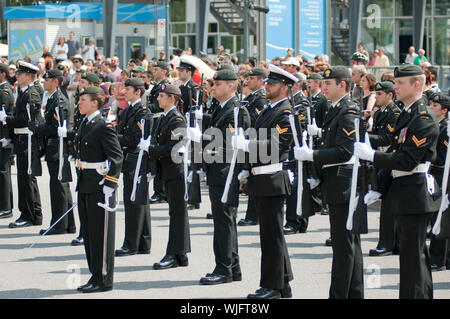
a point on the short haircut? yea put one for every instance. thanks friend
(361, 69)
(348, 83)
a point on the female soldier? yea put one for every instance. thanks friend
(99, 162)
(166, 135)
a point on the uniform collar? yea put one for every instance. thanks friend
(406, 108)
(338, 101)
(165, 113)
(222, 105)
(26, 87)
(93, 115)
(277, 103)
(3, 83)
(135, 102)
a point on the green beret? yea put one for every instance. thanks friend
(314, 76)
(51, 74)
(135, 82)
(383, 86)
(225, 75)
(258, 72)
(91, 90)
(170, 89)
(4, 68)
(162, 64)
(138, 69)
(407, 70)
(442, 99)
(337, 72)
(91, 77)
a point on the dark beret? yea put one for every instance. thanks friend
(383, 86)
(4, 68)
(442, 99)
(52, 74)
(314, 76)
(337, 72)
(91, 77)
(258, 72)
(170, 89)
(91, 90)
(408, 70)
(225, 75)
(134, 82)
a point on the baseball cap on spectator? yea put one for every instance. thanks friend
(291, 61)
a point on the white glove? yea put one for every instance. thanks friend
(303, 153)
(370, 124)
(364, 151)
(144, 144)
(445, 203)
(5, 142)
(62, 131)
(108, 191)
(371, 197)
(194, 134)
(313, 129)
(243, 176)
(198, 114)
(2, 115)
(313, 183)
(189, 177)
(240, 143)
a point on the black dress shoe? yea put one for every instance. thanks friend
(169, 261)
(143, 252)
(194, 206)
(52, 232)
(328, 242)
(78, 241)
(38, 220)
(209, 216)
(95, 288)
(90, 281)
(156, 199)
(237, 276)
(379, 252)
(247, 222)
(183, 260)
(435, 268)
(215, 279)
(6, 214)
(286, 292)
(289, 230)
(324, 211)
(264, 293)
(20, 223)
(124, 251)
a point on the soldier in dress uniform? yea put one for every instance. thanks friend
(225, 240)
(334, 155)
(189, 91)
(318, 100)
(439, 247)
(381, 138)
(6, 106)
(161, 72)
(405, 166)
(56, 112)
(28, 99)
(255, 102)
(87, 79)
(99, 161)
(167, 135)
(137, 213)
(269, 184)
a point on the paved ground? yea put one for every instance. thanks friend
(53, 268)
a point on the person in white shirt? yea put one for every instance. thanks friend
(61, 50)
(382, 59)
(89, 51)
(411, 56)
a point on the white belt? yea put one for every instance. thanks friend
(267, 169)
(421, 168)
(22, 130)
(91, 165)
(350, 162)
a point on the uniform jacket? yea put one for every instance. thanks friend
(383, 126)
(96, 141)
(152, 102)
(188, 94)
(7, 104)
(415, 137)
(256, 101)
(321, 106)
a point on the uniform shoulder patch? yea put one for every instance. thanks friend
(390, 128)
(347, 132)
(446, 144)
(417, 141)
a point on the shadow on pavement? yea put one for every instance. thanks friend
(34, 293)
(134, 285)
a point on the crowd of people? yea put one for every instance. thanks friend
(78, 105)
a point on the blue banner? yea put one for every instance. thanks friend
(279, 28)
(313, 28)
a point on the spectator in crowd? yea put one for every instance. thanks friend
(387, 76)
(90, 65)
(100, 59)
(12, 74)
(73, 45)
(367, 83)
(144, 62)
(89, 50)
(64, 67)
(421, 58)
(131, 65)
(291, 65)
(220, 50)
(362, 50)
(162, 56)
(358, 71)
(382, 59)
(375, 55)
(115, 62)
(411, 56)
(107, 73)
(61, 50)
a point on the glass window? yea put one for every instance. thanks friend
(442, 8)
(381, 8)
(212, 44)
(379, 37)
(175, 42)
(191, 28)
(227, 42)
(442, 41)
(178, 10)
(403, 8)
(212, 27)
(178, 28)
